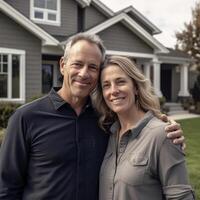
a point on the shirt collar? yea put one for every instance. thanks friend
(58, 101)
(138, 128)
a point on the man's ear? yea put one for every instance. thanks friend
(62, 65)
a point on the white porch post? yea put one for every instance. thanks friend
(184, 81)
(147, 70)
(156, 77)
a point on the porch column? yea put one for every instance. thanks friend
(156, 77)
(184, 81)
(147, 70)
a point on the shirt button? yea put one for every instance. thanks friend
(110, 187)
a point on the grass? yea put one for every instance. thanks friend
(191, 129)
(1, 135)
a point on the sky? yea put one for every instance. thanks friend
(168, 15)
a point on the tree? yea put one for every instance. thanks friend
(189, 39)
(196, 94)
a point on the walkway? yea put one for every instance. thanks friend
(184, 116)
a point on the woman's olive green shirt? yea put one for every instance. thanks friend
(145, 165)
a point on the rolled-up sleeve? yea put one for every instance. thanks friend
(13, 159)
(173, 173)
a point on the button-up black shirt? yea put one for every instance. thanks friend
(51, 153)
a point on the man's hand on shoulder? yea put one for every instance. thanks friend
(174, 131)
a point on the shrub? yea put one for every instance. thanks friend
(6, 110)
(196, 94)
(163, 107)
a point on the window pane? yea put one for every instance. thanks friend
(5, 68)
(3, 85)
(52, 4)
(51, 17)
(15, 76)
(5, 58)
(39, 3)
(47, 78)
(38, 15)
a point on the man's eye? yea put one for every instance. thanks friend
(93, 67)
(76, 64)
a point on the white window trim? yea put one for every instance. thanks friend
(46, 22)
(22, 54)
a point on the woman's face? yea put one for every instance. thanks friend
(118, 89)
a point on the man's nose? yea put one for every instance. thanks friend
(84, 71)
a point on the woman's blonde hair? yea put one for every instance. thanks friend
(146, 98)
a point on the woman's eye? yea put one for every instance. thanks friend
(121, 82)
(105, 86)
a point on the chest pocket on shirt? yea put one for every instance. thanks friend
(134, 169)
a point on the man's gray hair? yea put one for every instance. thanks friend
(92, 38)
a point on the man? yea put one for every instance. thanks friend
(53, 148)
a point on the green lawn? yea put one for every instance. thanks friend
(1, 135)
(191, 128)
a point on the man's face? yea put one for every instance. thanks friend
(81, 70)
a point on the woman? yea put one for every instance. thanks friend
(140, 162)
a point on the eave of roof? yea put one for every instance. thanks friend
(175, 56)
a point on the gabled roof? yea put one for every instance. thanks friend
(98, 4)
(140, 17)
(134, 27)
(46, 38)
(84, 3)
(103, 8)
(175, 56)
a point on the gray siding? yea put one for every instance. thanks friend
(68, 16)
(93, 17)
(120, 38)
(15, 36)
(68, 20)
(21, 5)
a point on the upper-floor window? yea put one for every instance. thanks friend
(46, 11)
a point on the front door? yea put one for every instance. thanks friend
(166, 82)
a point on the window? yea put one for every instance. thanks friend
(12, 81)
(46, 11)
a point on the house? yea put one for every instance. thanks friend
(33, 34)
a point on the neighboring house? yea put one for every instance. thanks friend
(33, 34)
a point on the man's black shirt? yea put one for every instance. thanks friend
(51, 153)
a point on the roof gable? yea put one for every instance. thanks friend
(84, 3)
(133, 26)
(46, 38)
(103, 8)
(98, 4)
(141, 19)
